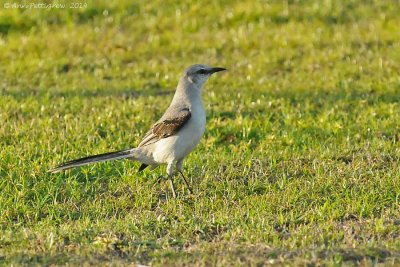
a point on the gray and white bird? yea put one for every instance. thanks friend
(173, 136)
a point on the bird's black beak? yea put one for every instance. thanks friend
(214, 70)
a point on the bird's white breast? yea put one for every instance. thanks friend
(178, 146)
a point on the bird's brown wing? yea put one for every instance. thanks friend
(169, 124)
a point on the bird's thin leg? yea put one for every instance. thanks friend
(171, 181)
(179, 165)
(158, 179)
(186, 182)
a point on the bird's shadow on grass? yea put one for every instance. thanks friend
(125, 93)
(320, 98)
(295, 97)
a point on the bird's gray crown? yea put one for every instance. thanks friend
(194, 69)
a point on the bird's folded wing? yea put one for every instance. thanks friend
(169, 124)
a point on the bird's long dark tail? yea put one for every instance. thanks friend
(92, 159)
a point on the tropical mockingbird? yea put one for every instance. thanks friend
(173, 136)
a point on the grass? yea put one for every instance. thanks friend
(299, 164)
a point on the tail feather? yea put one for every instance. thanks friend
(92, 159)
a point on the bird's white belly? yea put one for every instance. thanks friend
(178, 146)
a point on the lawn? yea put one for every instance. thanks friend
(299, 163)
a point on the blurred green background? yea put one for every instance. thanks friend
(299, 164)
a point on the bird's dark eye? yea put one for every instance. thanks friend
(201, 71)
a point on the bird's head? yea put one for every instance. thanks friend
(198, 74)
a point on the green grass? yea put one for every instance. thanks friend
(300, 160)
